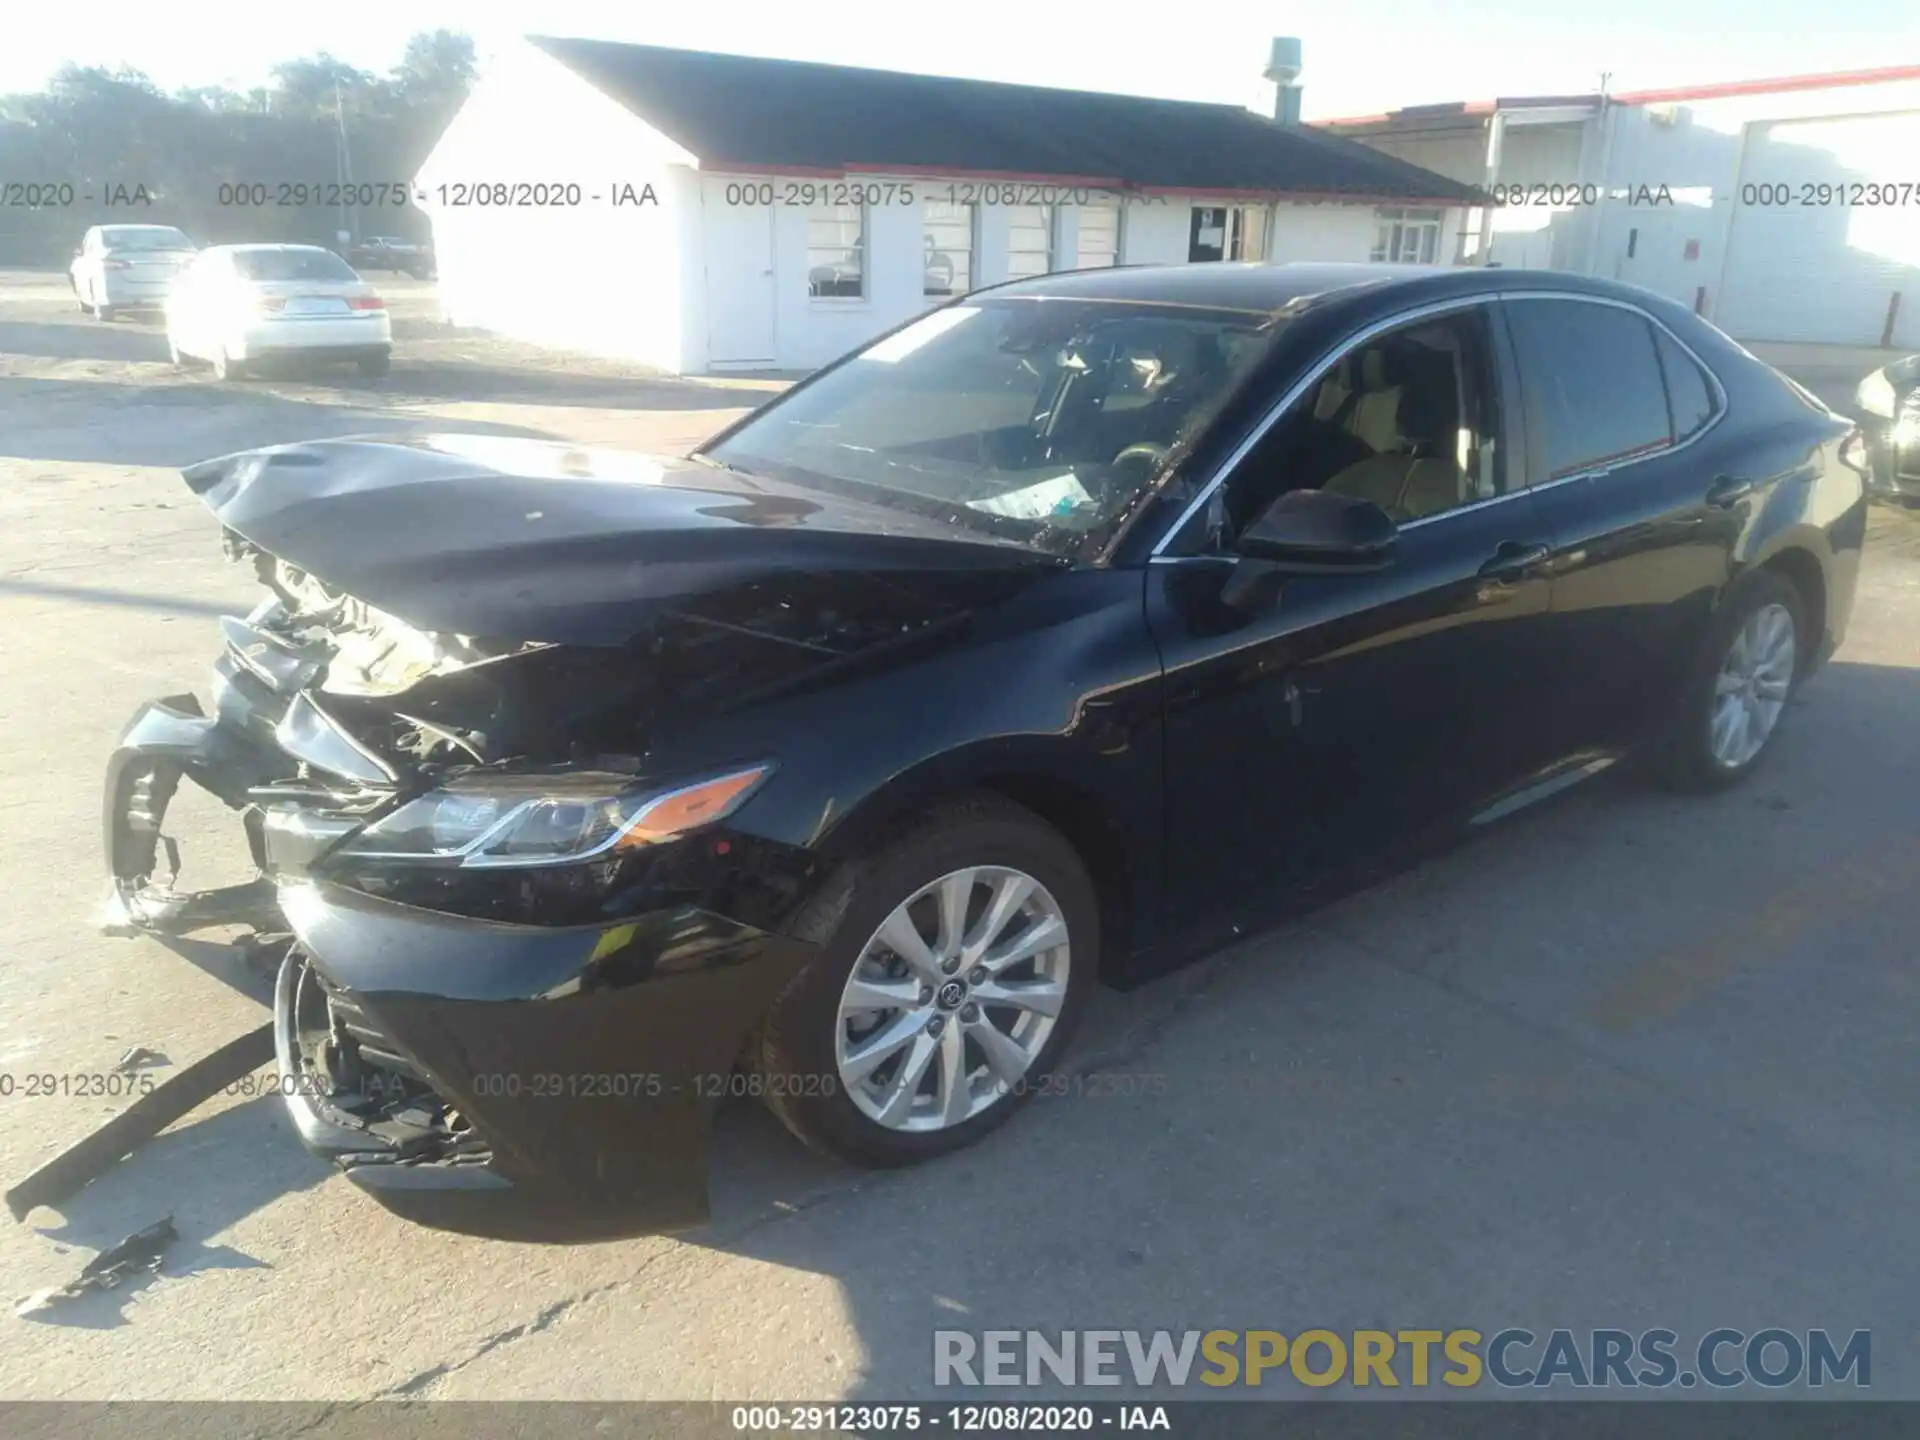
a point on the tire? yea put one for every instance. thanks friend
(1688, 759)
(372, 367)
(101, 311)
(798, 1050)
(175, 354)
(225, 367)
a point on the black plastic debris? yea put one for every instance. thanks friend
(66, 1173)
(140, 1252)
(139, 1058)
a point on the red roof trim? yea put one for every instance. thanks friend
(1779, 85)
(1888, 75)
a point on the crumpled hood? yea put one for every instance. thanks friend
(541, 541)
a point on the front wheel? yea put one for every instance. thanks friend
(225, 367)
(1738, 690)
(963, 952)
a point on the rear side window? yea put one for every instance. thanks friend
(1687, 388)
(1592, 377)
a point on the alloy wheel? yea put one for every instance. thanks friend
(952, 999)
(1752, 687)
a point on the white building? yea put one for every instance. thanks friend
(704, 212)
(1782, 210)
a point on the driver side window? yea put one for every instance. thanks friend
(1406, 419)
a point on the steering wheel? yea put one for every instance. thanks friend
(1146, 453)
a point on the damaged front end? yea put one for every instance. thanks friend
(523, 943)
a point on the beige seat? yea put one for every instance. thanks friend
(1402, 482)
(1369, 416)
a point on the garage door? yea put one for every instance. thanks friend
(1816, 251)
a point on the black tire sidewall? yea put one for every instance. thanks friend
(1693, 763)
(797, 1040)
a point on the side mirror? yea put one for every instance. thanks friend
(1308, 532)
(1313, 532)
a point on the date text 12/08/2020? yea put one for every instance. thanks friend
(907, 192)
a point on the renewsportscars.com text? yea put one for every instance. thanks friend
(1599, 1359)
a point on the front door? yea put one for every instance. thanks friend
(1355, 712)
(740, 285)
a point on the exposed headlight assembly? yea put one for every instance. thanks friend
(1876, 395)
(517, 822)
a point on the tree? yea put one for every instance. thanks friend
(95, 131)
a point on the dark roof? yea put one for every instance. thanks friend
(1269, 288)
(794, 115)
(1232, 285)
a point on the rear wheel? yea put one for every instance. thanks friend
(1738, 689)
(374, 366)
(961, 956)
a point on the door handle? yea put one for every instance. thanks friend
(1514, 558)
(1727, 492)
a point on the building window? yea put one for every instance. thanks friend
(1406, 237)
(1221, 232)
(1207, 233)
(837, 251)
(1099, 239)
(949, 245)
(1029, 240)
(1247, 238)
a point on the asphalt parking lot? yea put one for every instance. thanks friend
(1634, 1061)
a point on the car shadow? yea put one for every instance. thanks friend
(177, 421)
(1424, 1100)
(429, 379)
(133, 337)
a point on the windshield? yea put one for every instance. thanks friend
(291, 265)
(1035, 419)
(144, 238)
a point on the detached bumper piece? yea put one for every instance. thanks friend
(167, 741)
(519, 1082)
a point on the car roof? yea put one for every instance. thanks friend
(1262, 288)
(254, 249)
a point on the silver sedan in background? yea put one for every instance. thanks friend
(238, 305)
(127, 267)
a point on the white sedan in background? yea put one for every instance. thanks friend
(236, 305)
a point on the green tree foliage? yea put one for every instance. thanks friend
(114, 135)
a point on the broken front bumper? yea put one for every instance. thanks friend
(572, 1071)
(514, 1080)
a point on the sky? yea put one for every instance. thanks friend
(1358, 57)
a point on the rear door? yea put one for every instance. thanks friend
(1627, 467)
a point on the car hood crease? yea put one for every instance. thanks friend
(541, 541)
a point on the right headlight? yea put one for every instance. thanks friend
(1876, 395)
(501, 822)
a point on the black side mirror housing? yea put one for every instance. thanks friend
(1313, 532)
(1308, 532)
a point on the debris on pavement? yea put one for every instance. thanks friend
(167, 1102)
(139, 1058)
(141, 1251)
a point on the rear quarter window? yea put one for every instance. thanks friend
(1688, 393)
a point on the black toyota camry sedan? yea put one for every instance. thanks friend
(1049, 640)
